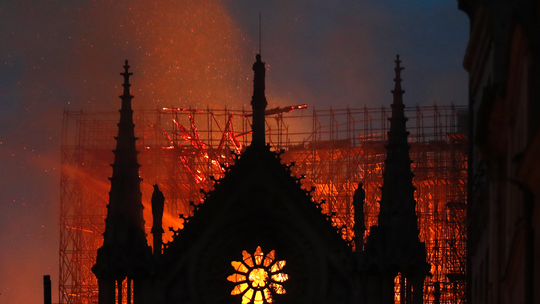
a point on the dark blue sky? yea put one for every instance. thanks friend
(339, 53)
(60, 54)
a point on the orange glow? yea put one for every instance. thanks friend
(247, 258)
(269, 258)
(238, 266)
(397, 289)
(258, 298)
(280, 277)
(258, 256)
(246, 298)
(235, 278)
(268, 295)
(190, 52)
(277, 266)
(238, 289)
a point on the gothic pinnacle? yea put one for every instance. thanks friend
(258, 102)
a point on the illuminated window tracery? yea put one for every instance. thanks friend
(258, 277)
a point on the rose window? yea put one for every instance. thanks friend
(258, 278)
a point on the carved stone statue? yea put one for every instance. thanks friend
(158, 202)
(359, 225)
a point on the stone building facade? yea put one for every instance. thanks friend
(503, 61)
(259, 237)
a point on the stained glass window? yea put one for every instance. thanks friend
(258, 277)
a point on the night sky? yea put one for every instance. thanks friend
(66, 54)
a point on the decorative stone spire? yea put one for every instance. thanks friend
(393, 247)
(125, 251)
(398, 206)
(125, 209)
(397, 91)
(258, 102)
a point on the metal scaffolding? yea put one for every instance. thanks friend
(180, 149)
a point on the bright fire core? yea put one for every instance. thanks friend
(258, 277)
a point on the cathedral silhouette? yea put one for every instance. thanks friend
(259, 237)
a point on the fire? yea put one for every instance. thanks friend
(186, 166)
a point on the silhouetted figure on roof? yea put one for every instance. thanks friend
(258, 103)
(359, 224)
(158, 202)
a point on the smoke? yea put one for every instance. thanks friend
(66, 55)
